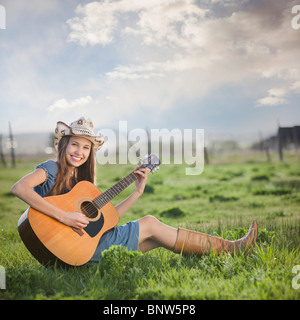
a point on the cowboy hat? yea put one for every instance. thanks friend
(80, 128)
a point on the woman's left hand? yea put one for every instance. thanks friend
(140, 182)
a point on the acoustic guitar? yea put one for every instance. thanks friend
(52, 242)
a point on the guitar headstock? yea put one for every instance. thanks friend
(151, 161)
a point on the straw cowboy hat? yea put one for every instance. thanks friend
(80, 128)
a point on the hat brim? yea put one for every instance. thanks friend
(62, 129)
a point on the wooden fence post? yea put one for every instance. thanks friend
(12, 146)
(280, 146)
(1, 152)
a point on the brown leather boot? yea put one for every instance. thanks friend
(189, 242)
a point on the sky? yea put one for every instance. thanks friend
(229, 67)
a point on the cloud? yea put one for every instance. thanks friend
(99, 22)
(96, 26)
(276, 96)
(126, 57)
(134, 72)
(270, 101)
(247, 40)
(171, 23)
(65, 104)
(156, 69)
(175, 52)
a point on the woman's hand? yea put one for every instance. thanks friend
(74, 219)
(141, 180)
(140, 183)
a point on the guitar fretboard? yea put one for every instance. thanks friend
(117, 188)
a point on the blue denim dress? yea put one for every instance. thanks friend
(50, 167)
(126, 235)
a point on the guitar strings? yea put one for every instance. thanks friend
(101, 201)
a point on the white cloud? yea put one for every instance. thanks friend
(276, 96)
(65, 104)
(278, 92)
(156, 69)
(172, 23)
(96, 26)
(158, 22)
(181, 30)
(270, 101)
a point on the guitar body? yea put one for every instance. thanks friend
(50, 241)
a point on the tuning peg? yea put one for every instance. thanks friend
(144, 159)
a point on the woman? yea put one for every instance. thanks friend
(76, 147)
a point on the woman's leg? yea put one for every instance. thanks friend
(154, 234)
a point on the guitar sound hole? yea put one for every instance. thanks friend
(89, 209)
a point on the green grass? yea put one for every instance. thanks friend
(222, 202)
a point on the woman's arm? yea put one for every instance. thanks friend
(140, 186)
(23, 189)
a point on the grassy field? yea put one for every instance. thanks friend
(221, 201)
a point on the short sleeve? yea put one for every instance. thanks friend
(50, 168)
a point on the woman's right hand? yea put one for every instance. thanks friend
(74, 219)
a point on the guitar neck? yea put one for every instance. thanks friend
(117, 188)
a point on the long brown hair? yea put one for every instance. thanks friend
(86, 171)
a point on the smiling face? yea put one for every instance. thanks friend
(78, 151)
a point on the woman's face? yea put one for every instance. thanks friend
(78, 151)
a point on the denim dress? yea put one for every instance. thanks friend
(126, 235)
